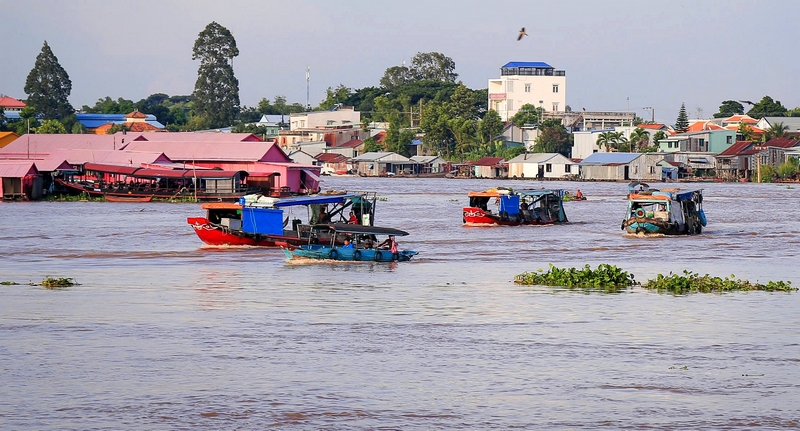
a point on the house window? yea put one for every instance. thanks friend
(652, 169)
(555, 88)
(568, 168)
(510, 105)
(729, 139)
(702, 142)
(548, 167)
(555, 106)
(527, 88)
(510, 86)
(635, 169)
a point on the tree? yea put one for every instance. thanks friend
(48, 86)
(438, 137)
(553, 138)
(729, 108)
(333, 96)
(51, 127)
(640, 139)
(396, 76)
(490, 127)
(620, 142)
(371, 145)
(605, 139)
(462, 103)
(78, 129)
(682, 123)
(767, 107)
(778, 130)
(433, 66)
(216, 91)
(789, 169)
(3, 120)
(746, 132)
(527, 115)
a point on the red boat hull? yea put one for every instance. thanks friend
(479, 217)
(214, 235)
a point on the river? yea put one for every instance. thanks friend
(164, 333)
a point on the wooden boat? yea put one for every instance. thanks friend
(514, 208)
(362, 248)
(263, 221)
(113, 198)
(663, 212)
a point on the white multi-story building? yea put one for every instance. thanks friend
(524, 82)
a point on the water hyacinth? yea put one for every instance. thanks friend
(606, 277)
(691, 282)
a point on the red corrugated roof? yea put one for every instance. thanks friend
(136, 114)
(655, 126)
(488, 161)
(331, 158)
(352, 143)
(736, 149)
(10, 102)
(782, 142)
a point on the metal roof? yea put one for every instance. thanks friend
(610, 158)
(357, 228)
(17, 169)
(535, 64)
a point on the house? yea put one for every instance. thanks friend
(20, 179)
(669, 170)
(7, 138)
(584, 143)
(793, 123)
(737, 162)
(525, 135)
(375, 164)
(302, 157)
(10, 104)
(333, 163)
(490, 167)
(541, 165)
(431, 164)
(621, 167)
(350, 149)
(692, 163)
(136, 122)
(775, 150)
(527, 83)
(711, 141)
(336, 116)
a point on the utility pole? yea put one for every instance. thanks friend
(652, 113)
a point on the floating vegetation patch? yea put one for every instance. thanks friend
(691, 282)
(57, 283)
(611, 279)
(8, 283)
(607, 277)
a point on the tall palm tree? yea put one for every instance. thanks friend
(619, 141)
(640, 139)
(778, 130)
(605, 139)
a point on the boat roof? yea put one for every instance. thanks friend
(357, 228)
(487, 194)
(316, 199)
(221, 206)
(663, 197)
(537, 192)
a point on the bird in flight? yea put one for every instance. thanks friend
(521, 33)
(747, 101)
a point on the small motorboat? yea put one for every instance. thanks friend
(351, 242)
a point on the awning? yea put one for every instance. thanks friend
(312, 175)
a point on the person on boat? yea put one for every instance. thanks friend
(324, 217)
(347, 243)
(578, 195)
(389, 244)
(353, 219)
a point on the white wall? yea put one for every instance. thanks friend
(513, 86)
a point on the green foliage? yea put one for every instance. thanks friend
(608, 277)
(333, 96)
(746, 132)
(110, 106)
(51, 127)
(490, 127)
(767, 107)
(682, 122)
(371, 145)
(640, 139)
(767, 174)
(527, 115)
(433, 66)
(48, 86)
(56, 283)
(553, 138)
(118, 128)
(216, 91)
(396, 76)
(691, 282)
(8, 283)
(789, 169)
(778, 130)
(729, 108)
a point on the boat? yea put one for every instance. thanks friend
(663, 212)
(113, 198)
(514, 208)
(264, 221)
(350, 242)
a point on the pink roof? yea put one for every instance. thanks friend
(197, 137)
(17, 168)
(10, 102)
(488, 161)
(213, 151)
(49, 143)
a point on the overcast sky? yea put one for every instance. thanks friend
(618, 55)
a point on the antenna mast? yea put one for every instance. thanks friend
(308, 86)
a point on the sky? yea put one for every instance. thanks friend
(622, 55)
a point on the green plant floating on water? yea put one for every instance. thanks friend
(56, 283)
(8, 283)
(691, 282)
(606, 277)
